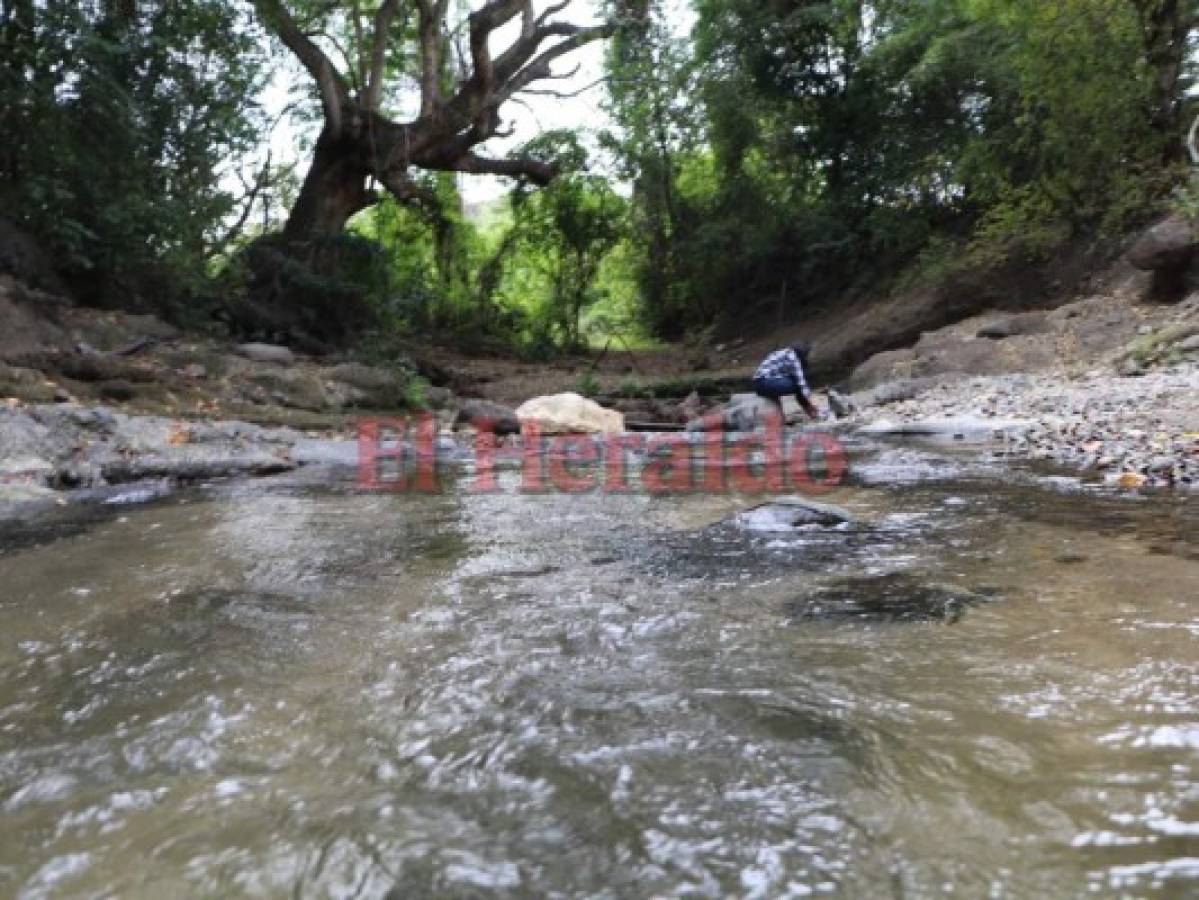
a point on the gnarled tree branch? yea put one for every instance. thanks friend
(334, 94)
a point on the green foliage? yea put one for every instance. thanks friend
(840, 140)
(563, 233)
(588, 385)
(331, 293)
(120, 120)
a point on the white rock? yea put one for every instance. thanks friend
(570, 413)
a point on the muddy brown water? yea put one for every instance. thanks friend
(288, 688)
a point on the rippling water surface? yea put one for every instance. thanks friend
(983, 688)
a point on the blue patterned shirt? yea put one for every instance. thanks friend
(784, 364)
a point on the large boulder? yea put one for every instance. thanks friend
(369, 387)
(1170, 244)
(483, 415)
(883, 367)
(293, 389)
(569, 413)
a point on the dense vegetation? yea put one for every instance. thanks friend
(773, 155)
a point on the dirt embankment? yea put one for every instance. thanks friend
(1108, 380)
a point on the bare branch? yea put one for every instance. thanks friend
(249, 199)
(360, 40)
(332, 87)
(522, 167)
(564, 95)
(374, 79)
(539, 68)
(552, 10)
(346, 58)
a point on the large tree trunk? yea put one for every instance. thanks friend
(333, 191)
(1166, 27)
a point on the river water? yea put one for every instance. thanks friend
(984, 687)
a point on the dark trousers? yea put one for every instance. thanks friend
(777, 388)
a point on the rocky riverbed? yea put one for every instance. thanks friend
(1134, 431)
(49, 451)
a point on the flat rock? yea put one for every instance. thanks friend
(267, 353)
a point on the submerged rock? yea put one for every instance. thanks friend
(786, 513)
(894, 597)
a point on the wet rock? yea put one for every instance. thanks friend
(748, 412)
(743, 413)
(189, 467)
(894, 597)
(267, 353)
(1190, 344)
(842, 406)
(962, 428)
(569, 413)
(484, 415)
(787, 513)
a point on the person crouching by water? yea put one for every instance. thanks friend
(782, 373)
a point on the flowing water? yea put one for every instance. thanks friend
(985, 687)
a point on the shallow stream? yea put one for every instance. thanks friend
(986, 686)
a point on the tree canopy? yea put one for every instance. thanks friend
(767, 155)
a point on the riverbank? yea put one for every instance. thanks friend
(1129, 431)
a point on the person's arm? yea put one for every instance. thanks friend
(803, 393)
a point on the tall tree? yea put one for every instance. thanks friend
(461, 92)
(121, 120)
